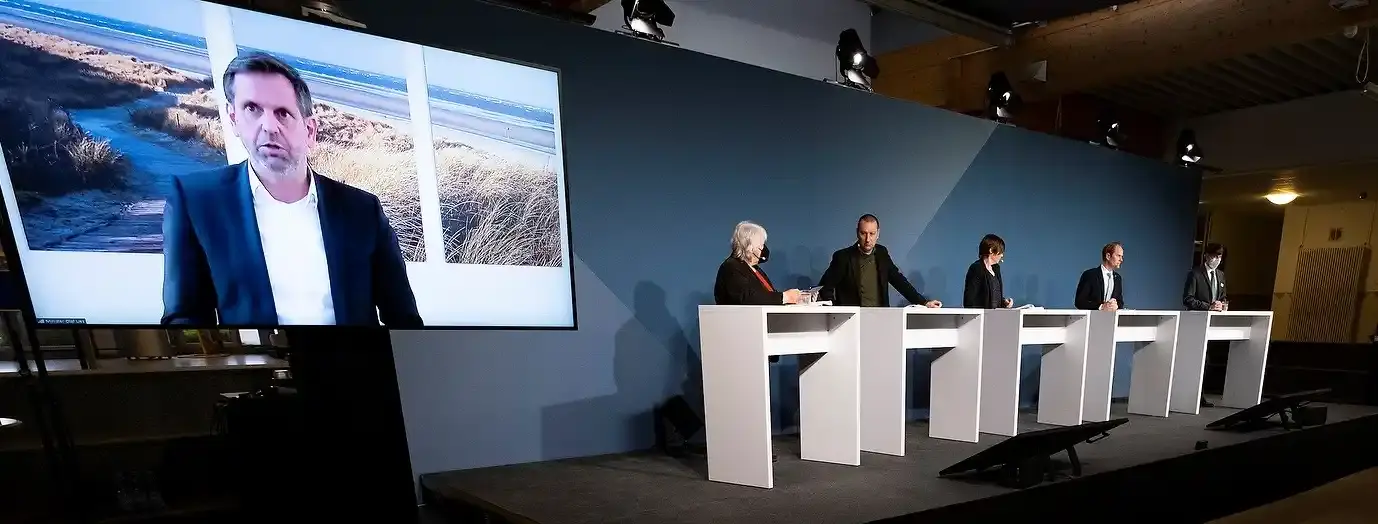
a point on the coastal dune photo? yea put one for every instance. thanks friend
(104, 101)
(89, 171)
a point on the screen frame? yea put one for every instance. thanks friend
(9, 242)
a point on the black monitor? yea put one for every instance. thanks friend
(1024, 458)
(132, 161)
(1256, 417)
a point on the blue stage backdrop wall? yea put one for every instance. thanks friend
(667, 149)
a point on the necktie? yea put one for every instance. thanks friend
(1210, 275)
(1109, 286)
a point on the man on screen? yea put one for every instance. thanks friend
(269, 241)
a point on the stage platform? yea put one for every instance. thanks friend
(1148, 468)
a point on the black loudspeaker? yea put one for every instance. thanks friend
(1286, 407)
(1025, 460)
(675, 423)
(1309, 415)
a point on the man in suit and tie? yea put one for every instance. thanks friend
(1100, 288)
(1205, 287)
(269, 241)
(1205, 291)
(861, 275)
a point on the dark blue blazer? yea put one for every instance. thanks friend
(213, 262)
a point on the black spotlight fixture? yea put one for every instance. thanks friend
(855, 67)
(643, 18)
(1111, 133)
(329, 11)
(1000, 98)
(1188, 151)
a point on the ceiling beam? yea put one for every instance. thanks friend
(1136, 40)
(948, 20)
(586, 6)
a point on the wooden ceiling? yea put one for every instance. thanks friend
(1172, 57)
(1315, 185)
(1277, 74)
(1008, 12)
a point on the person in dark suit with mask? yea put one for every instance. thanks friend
(1205, 291)
(1101, 288)
(741, 282)
(861, 275)
(1205, 286)
(985, 288)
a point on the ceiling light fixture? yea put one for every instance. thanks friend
(1281, 198)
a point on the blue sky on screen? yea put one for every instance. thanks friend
(183, 16)
(319, 43)
(494, 78)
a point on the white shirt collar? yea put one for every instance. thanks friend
(1105, 270)
(258, 190)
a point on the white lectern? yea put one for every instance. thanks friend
(1154, 334)
(1062, 380)
(954, 390)
(734, 344)
(1248, 333)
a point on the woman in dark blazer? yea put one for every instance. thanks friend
(740, 280)
(985, 288)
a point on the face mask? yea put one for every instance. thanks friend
(1213, 262)
(765, 254)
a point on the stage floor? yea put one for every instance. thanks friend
(649, 487)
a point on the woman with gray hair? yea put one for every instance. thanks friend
(740, 279)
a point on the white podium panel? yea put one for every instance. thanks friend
(954, 390)
(1064, 333)
(1154, 335)
(735, 342)
(1248, 333)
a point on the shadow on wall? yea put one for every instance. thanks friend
(934, 287)
(692, 389)
(651, 339)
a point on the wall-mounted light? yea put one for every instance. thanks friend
(1111, 133)
(1188, 150)
(855, 67)
(1281, 198)
(643, 18)
(1000, 98)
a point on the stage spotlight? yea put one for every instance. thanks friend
(856, 68)
(1000, 98)
(1188, 151)
(643, 18)
(1111, 133)
(327, 10)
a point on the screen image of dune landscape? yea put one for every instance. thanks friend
(101, 102)
(87, 156)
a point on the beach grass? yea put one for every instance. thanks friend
(44, 78)
(494, 211)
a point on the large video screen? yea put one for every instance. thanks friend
(177, 162)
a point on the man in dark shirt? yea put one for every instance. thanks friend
(861, 275)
